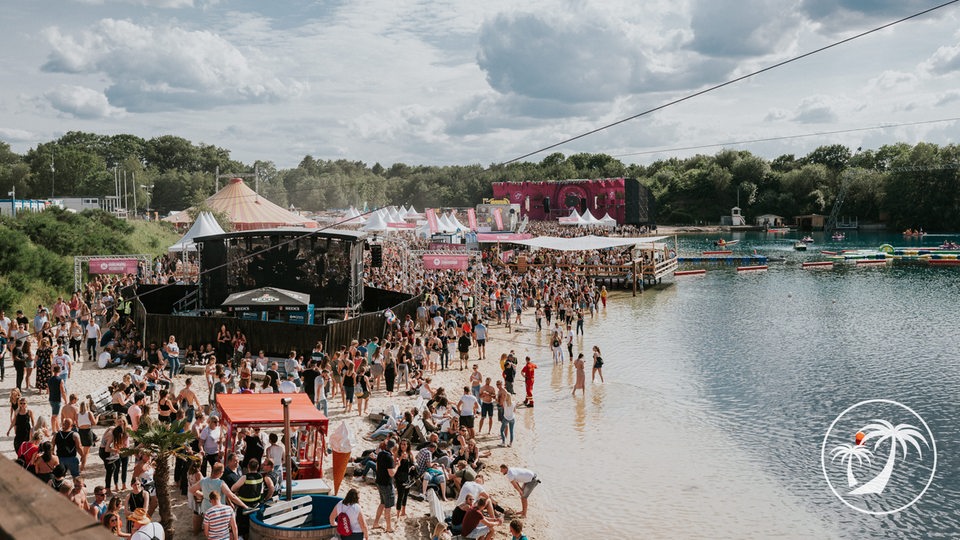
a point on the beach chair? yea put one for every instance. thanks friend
(99, 401)
(289, 514)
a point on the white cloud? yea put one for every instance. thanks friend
(891, 80)
(815, 110)
(742, 28)
(945, 60)
(17, 135)
(80, 102)
(157, 68)
(162, 4)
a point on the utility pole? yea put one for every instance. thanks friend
(13, 201)
(134, 174)
(53, 170)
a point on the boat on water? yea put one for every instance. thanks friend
(949, 245)
(721, 242)
(778, 230)
(838, 236)
(800, 245)
(807, 239)
(910, 233)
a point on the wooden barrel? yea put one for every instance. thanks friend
(316, 528)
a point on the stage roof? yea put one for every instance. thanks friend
(265, 410)
(585, 243)
(248, 210)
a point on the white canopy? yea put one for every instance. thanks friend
(205, 225)
(585, 243)
(589, 219)
(375, 223)
(607, 220)
(392, 215)
(457, 223)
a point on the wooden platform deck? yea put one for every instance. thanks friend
(34, 511)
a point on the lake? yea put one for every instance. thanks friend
(721, 388)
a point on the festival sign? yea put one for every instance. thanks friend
(446, 262)
(113, 266)
(498, 218)
(472, 219)
(432, 220)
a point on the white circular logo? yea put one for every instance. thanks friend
(879, 457)
(436, 261)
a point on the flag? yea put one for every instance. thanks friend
(498, 218)
(432, 220)
(472, 219)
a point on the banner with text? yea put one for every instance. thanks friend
(498, 218)
(446, 262)
(472, 219)
(113, 266)
(432, 220)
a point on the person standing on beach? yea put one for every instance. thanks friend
(463, 347)
(467, 408)
(510, 373)
(581, 380)
(538, 315)
(528, 372)
(603, 296)
(487, 396)
(480, 335)
(386, 469)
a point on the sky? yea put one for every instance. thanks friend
(445, 83)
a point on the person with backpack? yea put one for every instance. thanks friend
(347, 518)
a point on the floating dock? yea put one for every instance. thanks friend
(746, 260)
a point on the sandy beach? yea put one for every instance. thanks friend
(87, 378)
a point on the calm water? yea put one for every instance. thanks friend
(720, 390)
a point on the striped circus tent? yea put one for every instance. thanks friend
(247, 210)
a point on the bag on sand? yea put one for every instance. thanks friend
(343, 525)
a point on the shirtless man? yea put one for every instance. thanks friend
(189, 398)
(487, 396)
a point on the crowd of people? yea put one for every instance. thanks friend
(435, 446)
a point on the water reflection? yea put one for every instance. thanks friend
(720, 390)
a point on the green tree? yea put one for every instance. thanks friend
(164, 442)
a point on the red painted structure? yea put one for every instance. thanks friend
(551, 200)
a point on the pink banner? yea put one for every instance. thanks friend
(446, 262)
(432, 220)
(502, 237)
(472, 219)
(113, 266)
(498, 218)
(401, 225)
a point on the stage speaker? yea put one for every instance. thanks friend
(546, 205)
(213, 273)
(639, 203)
(376, 255)
(583, 205)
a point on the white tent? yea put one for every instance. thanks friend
(393, 216)
(205, 225)
(413, 214)
(589, 219)
(353, 217)
(457, 223)
(375, 223)
(573, 219)
(445, 224)
(608, 221)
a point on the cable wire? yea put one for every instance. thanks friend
(732, 81)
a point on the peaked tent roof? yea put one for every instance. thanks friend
(247, 210)
(375, 223)
(205, 225)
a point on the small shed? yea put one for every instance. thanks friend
(769, 220)
(810, 222)
(265, 411)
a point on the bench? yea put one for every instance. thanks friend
(99, 401)
(289, 514)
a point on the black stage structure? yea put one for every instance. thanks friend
(326, 265)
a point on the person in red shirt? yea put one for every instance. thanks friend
(528, 372)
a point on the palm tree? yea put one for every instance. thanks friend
(163, 441)
(899, 435)
(848, 452)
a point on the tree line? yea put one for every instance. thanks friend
(900, 184)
